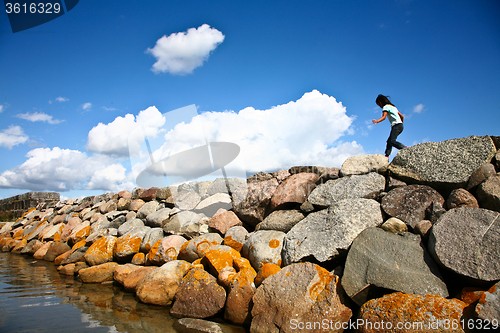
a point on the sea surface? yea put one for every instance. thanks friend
(34, 297)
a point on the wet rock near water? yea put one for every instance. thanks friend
(257, 252)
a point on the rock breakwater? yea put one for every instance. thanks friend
(310, 248)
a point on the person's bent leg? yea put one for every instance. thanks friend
(395, 131)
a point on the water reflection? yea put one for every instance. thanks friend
(34, 297)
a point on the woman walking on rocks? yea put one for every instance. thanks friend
(396, 119)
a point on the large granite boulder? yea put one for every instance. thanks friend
(410, 203)
(251, 201)
(379, 260)
(327, 234)
(445, 165)
(404, 313)
(298, 294)
(363, 164)
(294, 190)
(467, 241)
(357, 186)
(198, 296)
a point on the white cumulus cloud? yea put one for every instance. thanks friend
(115, 137)
(62, 99)
(57, 169)
(302, 132)
(12, 136)
(86, 106)
(39, 116)
(1, 108)
(418, 108)
(182, 52)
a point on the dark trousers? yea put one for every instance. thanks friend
(391, 142)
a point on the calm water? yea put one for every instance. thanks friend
(34, 297)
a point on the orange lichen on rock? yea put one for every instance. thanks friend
(242, 264)
(429, 311)
(320, 290)
(151, 257)
(127, 246)
(18, 233)
(219, 257)
(19, 246)
(101, 251)
(229, 241)
(139, 259)
(81, 234)
(274, 243)
(78, 245)
(267, 270)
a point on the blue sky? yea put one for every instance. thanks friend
(290, 82)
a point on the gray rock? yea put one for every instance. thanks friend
(364, 164)
(213, 203)
(187, 223)
(186, 200)
(146, 209)
(220, 185)
(358, 186)
(117, 222)
(197, 247)
(129, 225)
(101, 223)
(409, 203)
(235, 237)
(194, 325)
(488, 193)
(327, 234)
(467, 241)
(489, 307)
(156, 219)
(150, 238)
(263, 246)
(445, 165)
(281, 220)
(398, 262)
(189, 186)
(480, 175)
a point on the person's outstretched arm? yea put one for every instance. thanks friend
(376, 121)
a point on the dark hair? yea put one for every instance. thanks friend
(383, 101)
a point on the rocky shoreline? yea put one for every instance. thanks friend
(413, 242)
